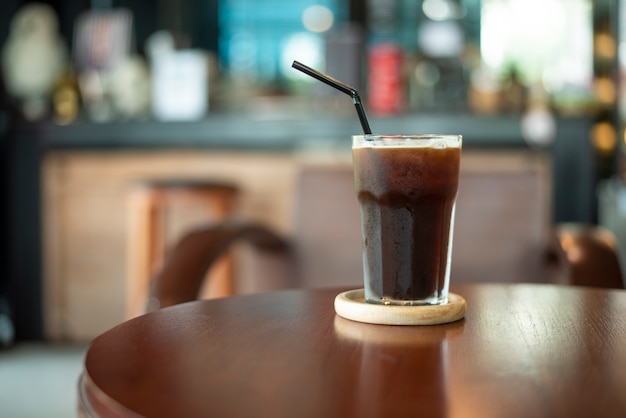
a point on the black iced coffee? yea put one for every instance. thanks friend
(407, 188)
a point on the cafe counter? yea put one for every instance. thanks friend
(69, 186)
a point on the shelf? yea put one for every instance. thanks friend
(263, 133)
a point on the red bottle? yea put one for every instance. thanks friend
(385, 79)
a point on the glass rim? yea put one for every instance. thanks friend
(377, 137)
(407, 141)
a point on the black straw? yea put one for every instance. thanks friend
(351, 91)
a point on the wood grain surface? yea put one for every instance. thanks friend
(522, 350)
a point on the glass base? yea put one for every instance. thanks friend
(411, 302)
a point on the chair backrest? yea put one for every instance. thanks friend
(327, 227)
(502, 221)
(503, 217)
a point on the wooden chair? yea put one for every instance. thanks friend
(156, 210)
(503, 232)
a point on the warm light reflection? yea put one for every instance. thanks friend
(575, 255)
(381, 348)
(603, 137)
(605, 90)
(604, 46)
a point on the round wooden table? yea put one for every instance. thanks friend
(522, 350)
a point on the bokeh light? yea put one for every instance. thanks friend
(318, 18)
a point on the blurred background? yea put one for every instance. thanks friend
(97, 95)
(98, 98)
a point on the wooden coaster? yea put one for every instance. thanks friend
(351, 305)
